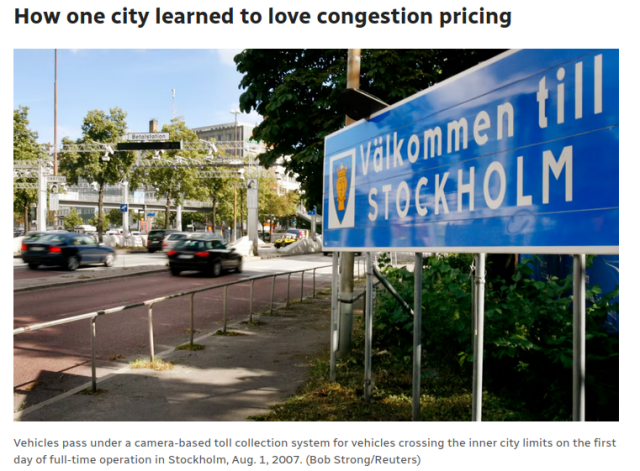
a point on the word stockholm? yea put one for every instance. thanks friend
(388, 152)
(360, 19)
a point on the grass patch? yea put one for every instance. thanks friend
(157, 365)
(252, 323)
(84, 277)
(229, 333)
(116, 357)
(192, 348)
(31, 386)
(445, 392)
(89, 392)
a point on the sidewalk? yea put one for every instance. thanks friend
(234, 377)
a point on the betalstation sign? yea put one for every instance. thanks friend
(517, 155)
(147, 136)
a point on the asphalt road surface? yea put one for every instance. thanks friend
(52, 360)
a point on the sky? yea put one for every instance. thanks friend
(139, 81)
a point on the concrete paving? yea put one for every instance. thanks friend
(231, 379)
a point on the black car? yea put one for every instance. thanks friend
(155, 238)
(209, 256)
(67, 250)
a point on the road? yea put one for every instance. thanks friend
(49, 361)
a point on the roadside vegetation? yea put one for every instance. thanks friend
(527, 362)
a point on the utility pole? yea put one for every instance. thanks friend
(347, 258)
(235, 186)
(55, 130)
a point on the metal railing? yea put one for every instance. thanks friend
(93, 316)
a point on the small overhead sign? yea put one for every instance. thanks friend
(151, 215)
(147, 136)
(124, 208)
(56, 179)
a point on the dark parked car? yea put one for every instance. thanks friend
(209, 256)
(156, 236)
(68, 250)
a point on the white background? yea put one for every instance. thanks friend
(535, 24)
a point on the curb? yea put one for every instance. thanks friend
(92, 280)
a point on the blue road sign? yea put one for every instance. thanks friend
(124, 208)
(517, 155)
(151, 215)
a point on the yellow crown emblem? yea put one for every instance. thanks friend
(342, 186)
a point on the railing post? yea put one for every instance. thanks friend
(191, 329)
(273, 289)
(314, 283)
(93, 354)
(151, 346)
(288, 289)
(251, 302)
(224, 311)
(302, 286)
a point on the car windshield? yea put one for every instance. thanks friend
(177, 236)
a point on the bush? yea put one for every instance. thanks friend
(528, 334)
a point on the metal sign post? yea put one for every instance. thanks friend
(334, 317)
(368, 330)
(478, 336)
(417, 335)
(579, 326)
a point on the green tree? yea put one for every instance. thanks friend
(177, 183)
(25, 149)
(101, 127)
(72, 220)
(114, 217)
(297, 90)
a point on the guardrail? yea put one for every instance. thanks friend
(93, 316)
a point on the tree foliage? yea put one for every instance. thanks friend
(99, 126)
(297, 90)
(72, 220)
(25, 149)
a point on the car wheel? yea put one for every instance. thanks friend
(33, 265)
(109, 259)
(239, 266)
(152, 250)
(326, 254)
(216, 269)
(73, 263)
(175, 271)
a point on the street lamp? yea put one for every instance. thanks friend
(235, 187)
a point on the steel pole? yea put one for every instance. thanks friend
(151, 346)
(478, 339)
(273, 289)
(301, 286)
(93, 354)
(191, 329)
(251, 302)
(333, 339)
(417, 335)
(288, 289)
(314, 283)
(368, 332)
(579, 325)
(224, 311)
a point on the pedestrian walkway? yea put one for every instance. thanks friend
(233, 378)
